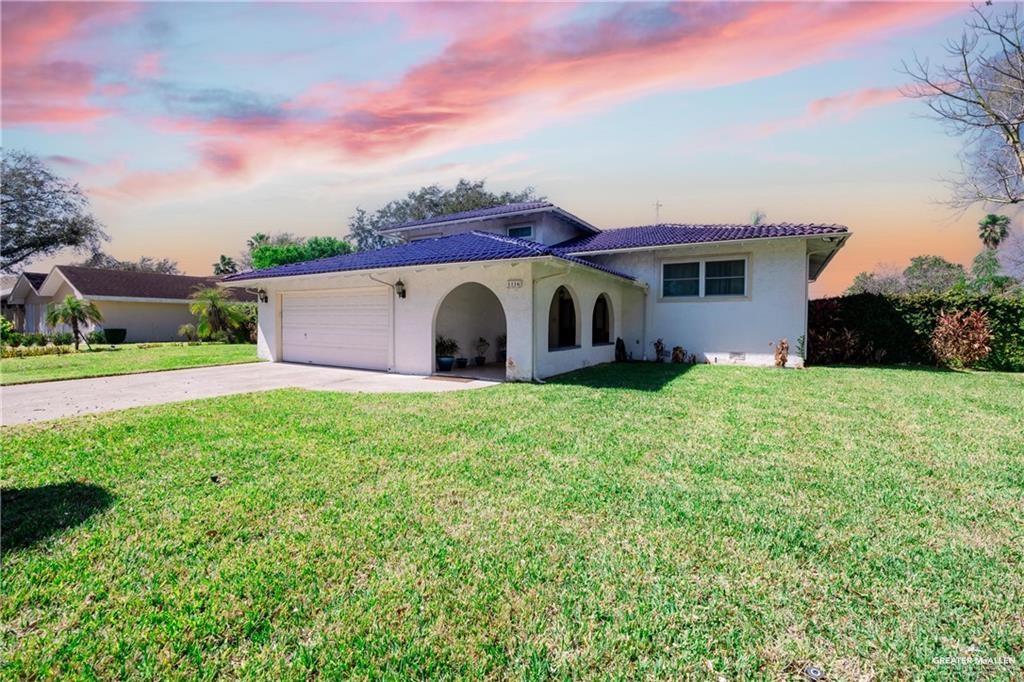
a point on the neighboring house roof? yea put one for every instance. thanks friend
(35, 278)
(24, 284)
(648, 236)
(503, 211)
(464, 247)
(101, 283)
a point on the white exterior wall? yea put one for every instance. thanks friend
(774, 308)
(548, 228)
(468, 313)
(413, 317)
(585, 285)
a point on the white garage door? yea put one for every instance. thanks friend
(344, 327)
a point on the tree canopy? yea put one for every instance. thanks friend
(41, 213)
(268, 255)
(99, 259)
(428, 202)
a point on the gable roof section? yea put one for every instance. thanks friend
(503, 211)
(648, 236)
(464, 247)
(34, 278)
(24, 284)
(101, 283)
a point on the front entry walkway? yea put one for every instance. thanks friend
(55, 399)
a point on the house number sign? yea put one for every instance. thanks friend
(515, 284)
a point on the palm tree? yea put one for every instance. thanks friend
(75, 312)
(216, 312)
(992, 229)
(225, 266)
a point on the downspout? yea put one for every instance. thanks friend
(393, 325)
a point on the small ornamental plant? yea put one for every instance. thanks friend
(961, 339)
(781, 352)
(659, 350)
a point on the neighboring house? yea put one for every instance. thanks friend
(560, 290)
(148, 305)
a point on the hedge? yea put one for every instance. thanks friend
(881, 329)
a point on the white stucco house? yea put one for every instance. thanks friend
(149, 306)
(557, 289)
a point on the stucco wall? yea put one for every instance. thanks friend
(728, 331)
(548, 228)
(585, 285)
(414, 316)
(145, 321)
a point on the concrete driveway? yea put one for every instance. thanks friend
(55, 399)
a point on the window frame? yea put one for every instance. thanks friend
(526, 226)
(702, 296)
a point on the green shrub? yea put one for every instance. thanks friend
(96, 337)
(63, 338)
(35, 339)
(881, 329)
(14, 339)
(34, 351)
(6, 329)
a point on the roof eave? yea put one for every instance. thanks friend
(562, 213)
(599, 252)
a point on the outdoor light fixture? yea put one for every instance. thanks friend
(400, 289)
(262, 295)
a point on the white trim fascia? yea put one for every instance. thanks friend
(56, 269)
(264, 281)
(659, 247)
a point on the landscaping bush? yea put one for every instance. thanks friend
(961, 339)
(96, 337)
(6, 329)
(15, 339)
(881, 329)
(63, 338)
(35, 339)
(33, 351)
(115, 336)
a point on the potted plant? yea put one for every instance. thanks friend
(445, 348)
(482, 345)
(462, 363)
(502, 353)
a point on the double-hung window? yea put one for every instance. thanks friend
(708, 278)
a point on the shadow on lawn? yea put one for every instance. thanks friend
(31, 515)
(635, 376)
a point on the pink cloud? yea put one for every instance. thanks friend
(39, 86)
(510, 70)
(149, 65)
(842, 107)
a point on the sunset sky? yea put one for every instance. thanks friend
(194, 125)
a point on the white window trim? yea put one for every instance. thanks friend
(701, 297)
(509, 229)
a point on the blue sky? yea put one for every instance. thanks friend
(193, 126)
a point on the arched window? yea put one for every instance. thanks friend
(602, 322)
(562, 320)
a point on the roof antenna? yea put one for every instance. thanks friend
(657, 210)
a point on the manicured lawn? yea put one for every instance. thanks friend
(623, 522)
(126, 359)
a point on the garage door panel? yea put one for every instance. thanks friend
(345, 327)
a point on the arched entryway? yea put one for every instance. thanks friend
(473, 317)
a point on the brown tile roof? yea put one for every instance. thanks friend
(123, 283)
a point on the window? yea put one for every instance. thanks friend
(562, 320)
(725, 277)
(521, 231)
(680, 279)
(602, 322)
(704, 279)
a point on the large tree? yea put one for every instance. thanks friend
(932, 274)
(979, 95)
(262, 239)
(269, 255)
(99, 259)
(427, 202)
(225, 265)
(41, 213)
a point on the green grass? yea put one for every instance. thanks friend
(126, 359)
(622, 522)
